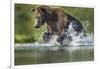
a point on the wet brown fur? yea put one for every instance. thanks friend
(56, 18)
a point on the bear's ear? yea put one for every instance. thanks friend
(33, 9)
(46, 11)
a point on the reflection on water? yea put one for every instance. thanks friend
(52, 54)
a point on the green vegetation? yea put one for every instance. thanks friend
(24, 22)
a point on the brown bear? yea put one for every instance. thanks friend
(57, 20)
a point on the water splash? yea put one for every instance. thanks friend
(79, 40)
(86, 40)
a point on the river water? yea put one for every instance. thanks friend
(52, 54)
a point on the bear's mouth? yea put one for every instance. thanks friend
(37, 26)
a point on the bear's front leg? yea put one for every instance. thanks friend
(61, 38)
(47, 36)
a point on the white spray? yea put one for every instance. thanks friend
(87, 40)
(79, 40)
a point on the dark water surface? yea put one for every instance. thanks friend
(52, 54)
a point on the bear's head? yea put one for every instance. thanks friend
(41, 15)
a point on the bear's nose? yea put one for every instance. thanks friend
(37, 26)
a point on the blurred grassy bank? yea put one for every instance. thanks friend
(24, 22)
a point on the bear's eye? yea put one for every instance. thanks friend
(33, 10)
(37, 17)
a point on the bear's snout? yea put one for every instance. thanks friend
(37, 26)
